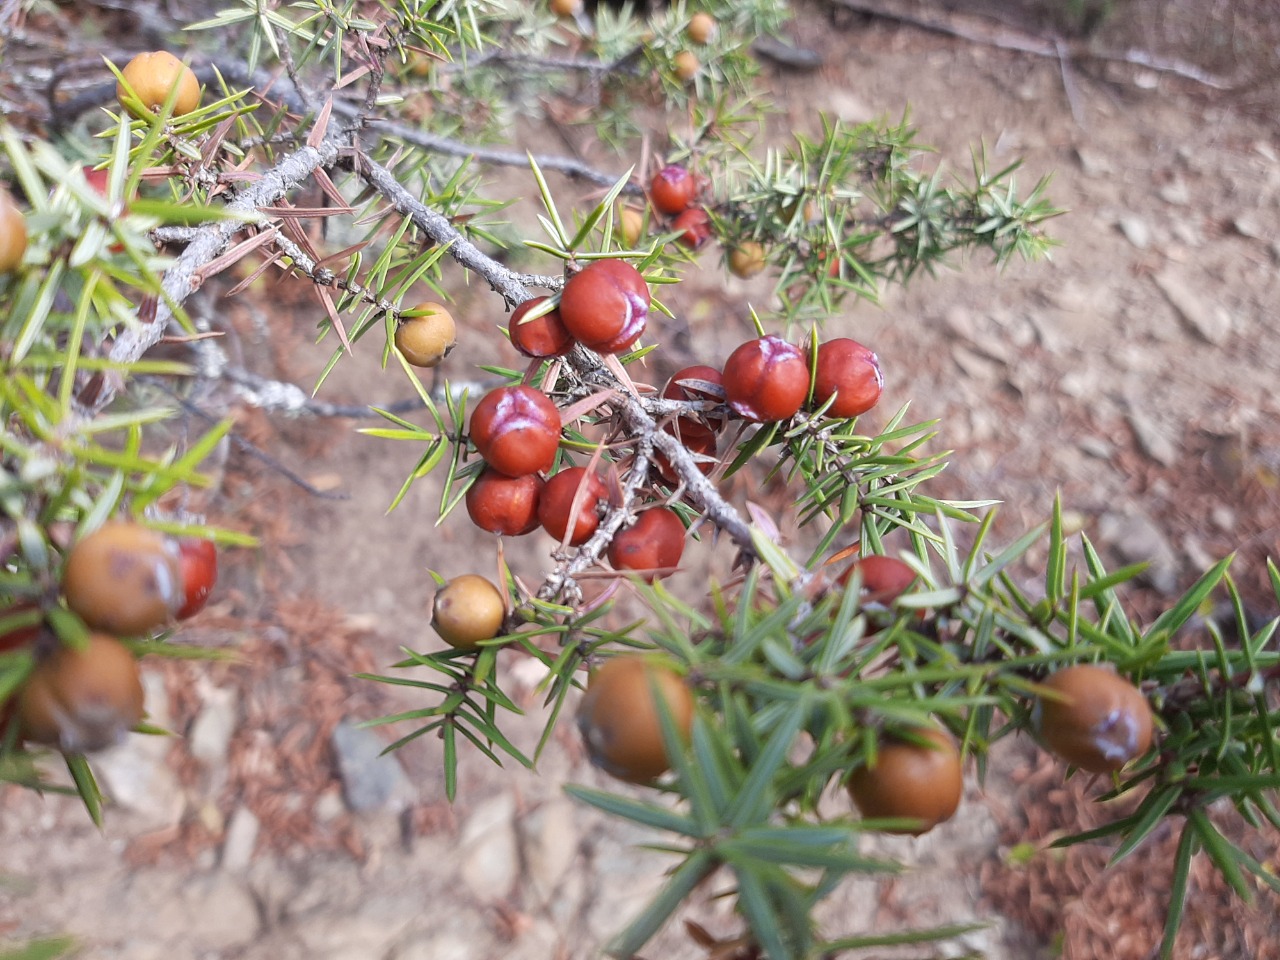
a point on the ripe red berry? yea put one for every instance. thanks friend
(675, 389)
(766, 379)
(544, 336)
(652, 545)
(694, 226)
(851, 373)
(605, 306)
(557, 501)
(516, 430)
(672, 189)
(199, 560)
(922, 782)
(82, 699)
(124, 579)
(1099, 722)
(702, 445)
(505, 505)
(884, 579)
(620, 722)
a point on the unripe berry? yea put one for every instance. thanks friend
(702, 28)
(631, 225)
(1101, 721)
(766, 379)
(747, 259)
(675, 389)
(566, 8)
(694, 225)
(556, 502)
(153, 75)
(620, 722)
(850, 372)
(82, 700)
(672, 189)
(686, 65)
(13, 233)
(124, 579)
(606, 305)
(467, 610)
(652, 545)
(505, 505)
(199, 561)
(911, 781)
(427, 339)
(516, 430)
(544, 336)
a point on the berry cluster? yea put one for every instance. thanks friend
(122, 580)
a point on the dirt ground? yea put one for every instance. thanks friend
(1134, 373)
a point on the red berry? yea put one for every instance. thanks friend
(672, 189)
(606, 305)
(653, 545)
(766, 379)
(199, 560)
(544, 336)
(505, 505)
(516, 430)
(557, 501)
(19, 635)
(884, 579)
(850, 372)
(676, 390)
(694, 226)
(701, 444)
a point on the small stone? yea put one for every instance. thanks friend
(1247, 225)
(1153, 439)
(1096, 447)
(242, 836)
(221, 914)
(1223, 517)
(371, 780)
(135, 774)
(489, 849)
(1175, 192)
(1092, 163)
(550, 842)
(1136, 539)
(1135, 230)
(210, 738)
(1209, 320)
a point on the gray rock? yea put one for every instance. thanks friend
(549, 840)
(242, 835)
(210, 737)
(370, 780)
(1136, 231)
(489, 848)
(1153, 438)
(135, 775)
(221, 914)
(1248, 225)
(1176, 193)
(1210, 321)
(1135, 538)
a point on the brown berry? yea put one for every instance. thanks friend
(516, 430)
(543, 336)
(505, 505)
(766, 379)
(694, 226)
(1098, 722)
(677, 388)
(426, 338)
(685, 65)
(921, 782)
(884, 579)
(467, 610)
(747, 259)
(82, 699)
(566, 8)
(153, 75)
(672, 189)
(702, 28)
(124, 579)
(851, 373)
(652, 545)
(555, 507)
(13, 234)
(620, 721)
(606, 305)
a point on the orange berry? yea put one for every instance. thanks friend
(747, 259)
(13, 233)
(153, 75)
(686, 65)
(702, 28)
(1101, 722)
(921, 782)
(620, 722)
(124, 579)
(425, 340)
